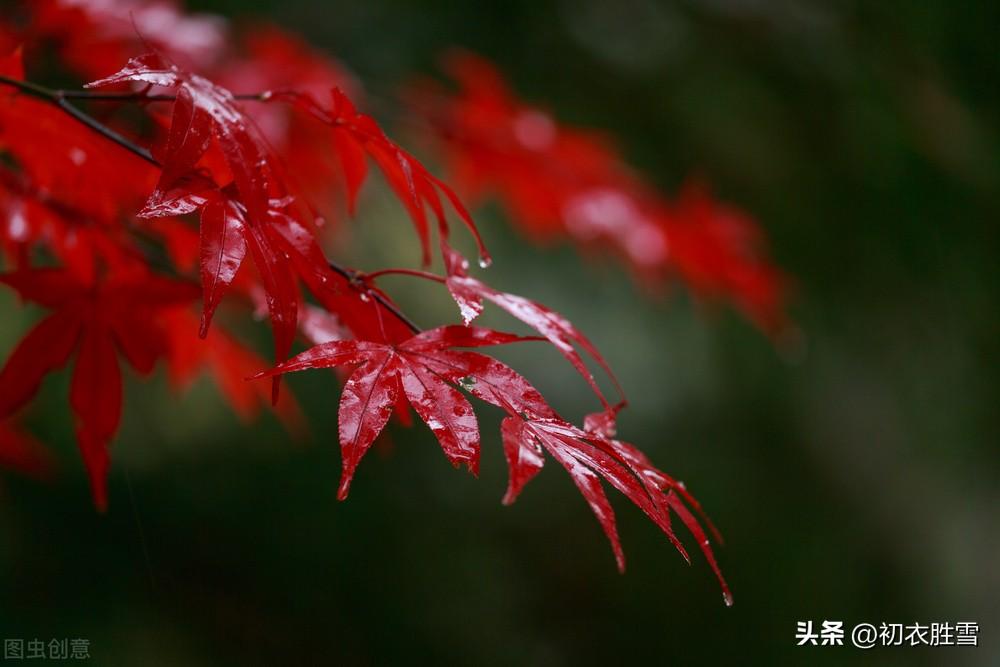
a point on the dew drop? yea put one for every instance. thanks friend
(727, 597)
(485, 261)
(364, 297)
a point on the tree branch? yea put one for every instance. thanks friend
(356, 277)
(59, 99)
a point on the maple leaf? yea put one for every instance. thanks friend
(356, 135)
(235, 219)
(424, 370)
(429, 372)
(588, 457)
(268, 56)
(469, 294)
(114, 316)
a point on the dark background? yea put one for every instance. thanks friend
(855, 476)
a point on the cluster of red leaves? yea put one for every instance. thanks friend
(87, 211)
(557, 181)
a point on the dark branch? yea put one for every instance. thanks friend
(98, 96)
(358, 278)
(59, 99)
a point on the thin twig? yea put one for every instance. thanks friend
(426, 275)
(358, 278)
(99, 96)
(58, 98)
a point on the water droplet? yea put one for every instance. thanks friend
(365, 297)
(727, 597)
(485, 261)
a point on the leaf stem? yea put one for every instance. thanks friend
(357, 277)
(426, 275)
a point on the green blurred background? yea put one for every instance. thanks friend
(855, 476)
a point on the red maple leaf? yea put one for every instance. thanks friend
(469, 294)
(116, 315)
(266, 58)
(428, 371)
(422, 369)
(590, 456)
(236, 218)
(356, 135)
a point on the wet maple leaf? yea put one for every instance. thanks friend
(469, 294)
(235, 218)
(266, 57)
(429, 372)
(97, 322)
(588, 457)
(357, 135)
(422, 368)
